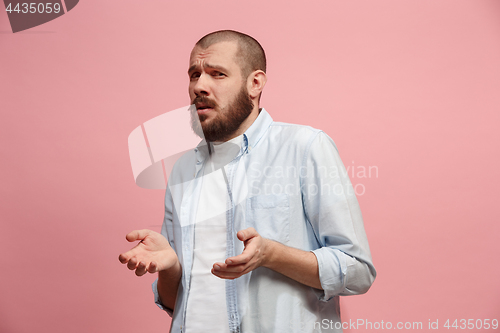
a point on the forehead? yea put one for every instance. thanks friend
(222, 54)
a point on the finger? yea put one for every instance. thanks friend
(239, 259)
(219, 266)
(233, 270)
(137, 235)
(246, 234)
(123, 258)
(224, 275)
(230, 269)
(153, 267)
(132, 264)
(230, 274)
(247, 254)
(141, 269)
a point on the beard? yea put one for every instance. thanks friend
(226, 121)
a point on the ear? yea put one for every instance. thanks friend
(255, 83)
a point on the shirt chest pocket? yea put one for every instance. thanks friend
(269, 215)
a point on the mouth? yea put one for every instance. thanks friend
(203, 108)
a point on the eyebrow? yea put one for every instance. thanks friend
(216, 67)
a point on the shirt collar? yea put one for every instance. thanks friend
(255, 132)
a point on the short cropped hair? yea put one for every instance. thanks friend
(250, 55)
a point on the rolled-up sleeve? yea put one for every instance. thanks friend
(330, 204)
(158, 300)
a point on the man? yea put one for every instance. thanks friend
(262, 230)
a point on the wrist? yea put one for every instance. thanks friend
(268, 253)
(171, 265)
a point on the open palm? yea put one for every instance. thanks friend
(152, 254)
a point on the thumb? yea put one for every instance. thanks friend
(246, 234)
(137, 235)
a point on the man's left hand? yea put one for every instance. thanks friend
(253, 256)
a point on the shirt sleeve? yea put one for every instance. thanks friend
(158, 300)
(344, 259)
(167, 232)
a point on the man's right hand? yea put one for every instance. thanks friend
(152, 254)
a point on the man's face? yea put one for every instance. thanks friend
(218, 91)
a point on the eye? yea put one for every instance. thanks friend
(194, 76)
(218, 74)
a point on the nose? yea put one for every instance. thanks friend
(201, 86)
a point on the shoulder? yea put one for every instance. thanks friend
(295, 128)
(298, 135)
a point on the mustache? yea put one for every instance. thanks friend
(205, 101)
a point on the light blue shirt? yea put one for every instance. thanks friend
(288, 182)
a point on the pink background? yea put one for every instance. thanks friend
(410, 87)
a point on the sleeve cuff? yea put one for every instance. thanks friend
(158, 300)
(331, 273)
